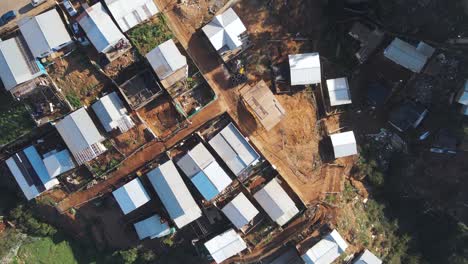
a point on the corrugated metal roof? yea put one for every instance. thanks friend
(344, 144)
(276, 202)
(152, 227)
(234, 149)
(112, 113)
(174, 194)
(44, 33)
(326, 250)
(305, 68)
(204, 186)
(462, 96)
(225, 30)
(166, 59)
(129, 13)
(368, 258)
(100, 28)
(406, 55)
(14, 68)
(58, 163)
(81, 135)
(131, 196)
(225, 245)
(240, 211)
(338, 91)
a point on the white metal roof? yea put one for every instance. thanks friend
(326, 250)
(305, 68)
(129, 13)
(14, 67)
(276, 202)
(368, 258)
(131, 196)
(225, 245)
(462, 97)
(112, 113)
(174, 194)
(344, 144)
(99, 27)
(81, 136)
(234, 149)
(338, 91)
(44, 33)
(152, 227)
(199, 162)
(406, 55)
(166, 59)
(240, 211)
(58, 163)
(225, 30)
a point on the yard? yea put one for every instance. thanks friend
(14, 119)
(45, 250)
(147, 36)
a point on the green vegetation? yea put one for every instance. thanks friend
(27, 223)
(149, 35)
(127, 256)
(14, 119)
(74, 100)
(46, 250)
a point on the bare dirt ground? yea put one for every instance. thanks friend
(131, 140)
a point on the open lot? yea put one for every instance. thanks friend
(23, 8)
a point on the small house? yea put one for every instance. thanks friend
(17, 66)
(305, 69)
(112, 113)
(168, 63)
(276, 202)
(130, 13)
(410, 57)
(263, 103)
(30, 173)
(58, 162)
(131, 196)
(44, 33)
(367, 258)
(225, 32)
(327, 250)
(407, 115)
(344, 144)
(204, 172)
(100, 29)
(240, 211)
(225, 245)
(81, 136)
(234, 149)
(338, 91)
(152, 227)
(174, 194)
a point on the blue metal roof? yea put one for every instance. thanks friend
(204, 185)
(37, 163)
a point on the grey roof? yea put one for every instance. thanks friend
(225, 245)
(14, 64)
(44, 33)
(368, 258)
(327, 250)
(112, 113)
(131, 196)
(225, 30)
(407, 55)
(174, 194)
(58, 163)
(305, 68)
(344, 144)
(129, 13)
(234, 149)
(240, 211)
(166, 59)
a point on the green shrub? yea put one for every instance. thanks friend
(25, 221)
(74, 100)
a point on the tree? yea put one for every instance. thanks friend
(128, 256)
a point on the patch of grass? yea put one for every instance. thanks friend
(74, 100)
(14, 120)
(45, 250)
(149, 35)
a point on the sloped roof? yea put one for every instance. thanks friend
(131, 196)
(276, 202)
(326, 250)
(206, 174)
(344, 144)
(368, 258)
(129, 13)
(174, 194)
(263, 103)
(58, 163)
(462, 96)
(406, 55)
(338, 91)
(152, 227)
(225, 245)
(225, 30)
(166, 59)
(234, 149)
(240, 211)
(44, 32)
(99, 27)
(14, 68)
(112, 113)
(80, 134)
(305, 68)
